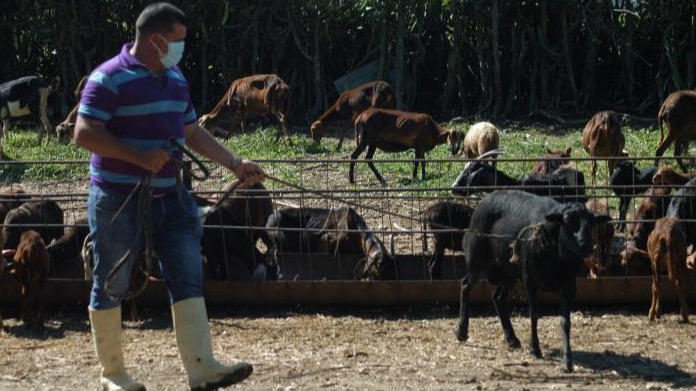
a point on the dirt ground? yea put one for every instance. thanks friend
(367, 349)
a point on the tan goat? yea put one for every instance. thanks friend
(602, 137)
(667, 250)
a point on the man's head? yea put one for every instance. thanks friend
(160, 33)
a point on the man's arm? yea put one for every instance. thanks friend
(92, 135)
(203, 142)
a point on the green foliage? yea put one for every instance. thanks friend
(25, 158)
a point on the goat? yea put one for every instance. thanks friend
(45, 217)
(552, 161)
(480, 138)
(230, 234)
(668, 176)
(350, 104)
(256, 95)
(449, 220)
(397, 131)
(626, 182)
(336, 231)
(678, 113)
(549, 242)
(667, 250)
(634, 258)
(601, 261)
(602, 137)
(565, 184)
(11, 197)
(65, 251)
(32, 265)
(26, 96)
(66, 129)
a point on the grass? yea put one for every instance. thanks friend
(25, 158)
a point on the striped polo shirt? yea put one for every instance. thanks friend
(140, 109)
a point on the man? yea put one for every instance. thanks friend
(130, 108)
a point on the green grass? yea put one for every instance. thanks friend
(22, 152)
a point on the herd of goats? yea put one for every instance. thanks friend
(541, 229)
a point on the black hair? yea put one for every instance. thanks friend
(159, 18)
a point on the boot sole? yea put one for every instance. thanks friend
(232, 378)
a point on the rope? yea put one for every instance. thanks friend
(144, 219)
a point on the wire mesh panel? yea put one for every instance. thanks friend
(392, 212)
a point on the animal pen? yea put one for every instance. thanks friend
(392, 213)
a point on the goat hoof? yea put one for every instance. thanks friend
(568, 368)
(461, 335)
(535, 352)
(514, 343)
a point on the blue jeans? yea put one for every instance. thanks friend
(176, 234)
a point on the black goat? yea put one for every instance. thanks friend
(449, 220)
(44, 217)
(231, 232)
(549, 242)
(334, 231)
(565, 184)
(626, 182)
(65, 251)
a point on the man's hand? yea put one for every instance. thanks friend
(153, 159)
(249, 172)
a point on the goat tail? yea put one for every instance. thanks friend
(358, 129)
(660, 117)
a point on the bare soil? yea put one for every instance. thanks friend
(367, 349)
(356, 348)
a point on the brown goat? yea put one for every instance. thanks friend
(667, 250)
(398, 131)
(600, 261)
(634, 258)
(257, 95)
(602, 137)
(66, 129)
(552, 161)
(32, 264)
(668, 176)
(350, 104)
(678, 113)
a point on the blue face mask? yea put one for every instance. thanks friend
(174, 53)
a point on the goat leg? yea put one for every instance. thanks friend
(468, 283)
(655, 303)
(683, 305)
(534, 348)
(368, 157)
(567, 299)
(500, 302)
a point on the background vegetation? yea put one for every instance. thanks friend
(493, 59)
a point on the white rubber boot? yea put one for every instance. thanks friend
(106, 331)
(196, 349)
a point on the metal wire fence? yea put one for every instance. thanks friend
(392, 211)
